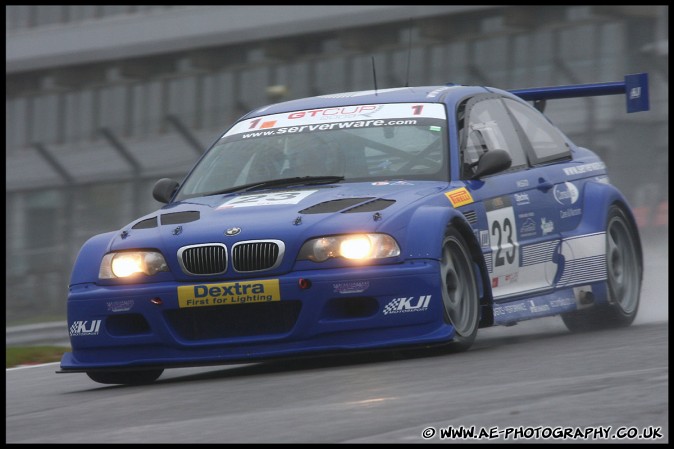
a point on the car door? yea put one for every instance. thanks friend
(581, 256)
(518, 230)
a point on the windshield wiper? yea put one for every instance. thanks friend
(283, 182)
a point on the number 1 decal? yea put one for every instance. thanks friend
(416, 110)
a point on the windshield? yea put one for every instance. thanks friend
(353, 143)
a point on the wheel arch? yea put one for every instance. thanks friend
(635, 233)
(440, 217)
(602, 197)
(486, 299)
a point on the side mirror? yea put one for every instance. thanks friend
(164, 189)
(492, 162)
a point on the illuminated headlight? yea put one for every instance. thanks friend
(127, 263)
(350, 246)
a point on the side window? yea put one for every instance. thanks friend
(547, 142)
(488, 127)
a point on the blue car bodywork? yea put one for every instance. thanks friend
(249, 273)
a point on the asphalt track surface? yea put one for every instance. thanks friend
(535, 379)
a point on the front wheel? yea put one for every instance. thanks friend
(459, 290)
(140, 377)
(624, 276)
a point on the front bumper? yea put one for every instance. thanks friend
(342, 309)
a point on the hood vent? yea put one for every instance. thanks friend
(372, 206)
(333, 206)
(179, 217)
(146, 224)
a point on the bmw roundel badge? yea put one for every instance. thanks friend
(232, 231)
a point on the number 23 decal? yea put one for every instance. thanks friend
(267, 199)
(503, 239)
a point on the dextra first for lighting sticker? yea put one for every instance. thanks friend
(202, 295)
(459, 197)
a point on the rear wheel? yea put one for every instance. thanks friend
(624, 275)
(140, 377)
(459, 290)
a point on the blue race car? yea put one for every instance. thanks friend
(357, 221)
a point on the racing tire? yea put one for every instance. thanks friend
(624, 272)
(460, 296)
(142, 377)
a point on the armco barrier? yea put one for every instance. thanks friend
(52, 334)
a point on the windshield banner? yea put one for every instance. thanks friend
(321, 119)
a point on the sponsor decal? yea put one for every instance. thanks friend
(528, 227)
(350, 287)
(459, 197)
(561, 302)
(522, 183)
(337, 117)
(522, 198)
(392, 183)
(533, 308)
(436, 92)
(547, 226)
(512, 312)
(507, 279)
(496, 203)
(565, 194)
(401, 183)
(602, 179)
(635, 93)
(570, 212)
(83, 328)
(336, 112)
(359, 93)
(120, 306)
(405, 305)
(227, 293)
(509, 308)
(267, 199)
(585, 168)
(484, 238)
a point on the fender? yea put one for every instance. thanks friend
(603, 196)
(439, 217)
(424, 218)
(88, 260)
(597, 198)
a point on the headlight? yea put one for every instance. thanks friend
(127, 263)
(350, 246)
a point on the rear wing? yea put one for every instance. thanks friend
(635, 88)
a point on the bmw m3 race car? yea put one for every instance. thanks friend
(359, 221)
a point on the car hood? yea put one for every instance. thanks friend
(290, 215)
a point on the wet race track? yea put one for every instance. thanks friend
(517, 384)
